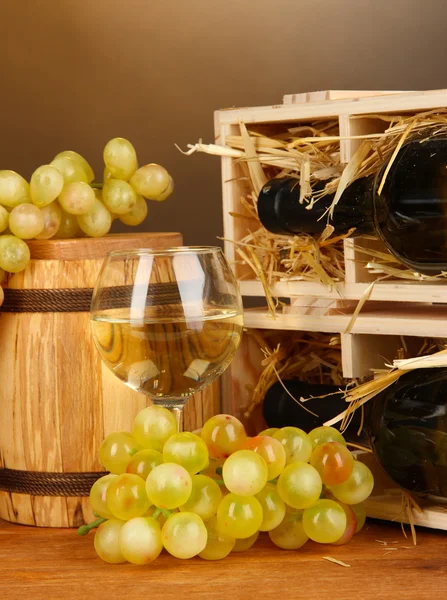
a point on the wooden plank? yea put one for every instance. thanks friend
(399, 291)
(389, 508)
(362, 353)
(385, 501)
(355, 261)
(324, 95)
(418, 321)
(398, 103)
(93, 248)
(244, 374)
(233, 187)
(66, 567)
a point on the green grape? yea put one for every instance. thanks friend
(188, 450)
(205, 497)
(245, 473)
(273, 507)
(14, 254)
(242, 545)
(126, 497)
(223, 434)
(106, 541)
(218, 545)
(239, 516)
(169, 486)
(299, 485)
(168, 191)
(116, 451)
(45, 186)
(137, 215)
(268, 432)
(14, 190)
(4, 218)
(98, 493)
(351, 525)
(119, 196)
(184, 535)
(357, 487)
(153, 426)
(333, 461)
(52, 217)
(324, 522)
(69, 227)
(323, 434)
(107, 175)
(77, 198)
(272, 451)
(290, 534)
(152, 182)
(26, 221)
(72, 170)
(120, 158)
(360, 515)
(81, 160)
(143, 462)
(140, 540)
(296, 443)
(97, 222)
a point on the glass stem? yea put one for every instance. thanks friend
(177, 411)
(176, 408)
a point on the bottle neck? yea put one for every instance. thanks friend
(280, 211)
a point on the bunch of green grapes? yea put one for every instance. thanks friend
(61, 199)
(212, 492)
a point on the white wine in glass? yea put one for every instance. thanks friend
(167, 322)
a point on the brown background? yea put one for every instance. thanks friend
(75, 73)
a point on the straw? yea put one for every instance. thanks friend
(311, 154)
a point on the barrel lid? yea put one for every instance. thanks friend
(96, 248)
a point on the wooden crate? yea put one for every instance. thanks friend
(396, 308)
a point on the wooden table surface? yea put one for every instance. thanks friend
(54, 564)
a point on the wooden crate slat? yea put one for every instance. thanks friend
(414, 321)
(398, 291)
(405, 102)
(323, 95)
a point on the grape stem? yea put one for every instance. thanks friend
(97, 186)
(161, 511)
(84, 529)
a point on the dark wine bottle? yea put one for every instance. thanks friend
(409, 215)
(405, 425)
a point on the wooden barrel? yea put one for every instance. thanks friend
(57, 400)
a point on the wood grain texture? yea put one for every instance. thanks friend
(420, 320)
(97, 248)
(59, 400)
(239, 381)
(396, 103)
(53, 564)
(321, 96)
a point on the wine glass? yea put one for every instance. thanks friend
(167, 322)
